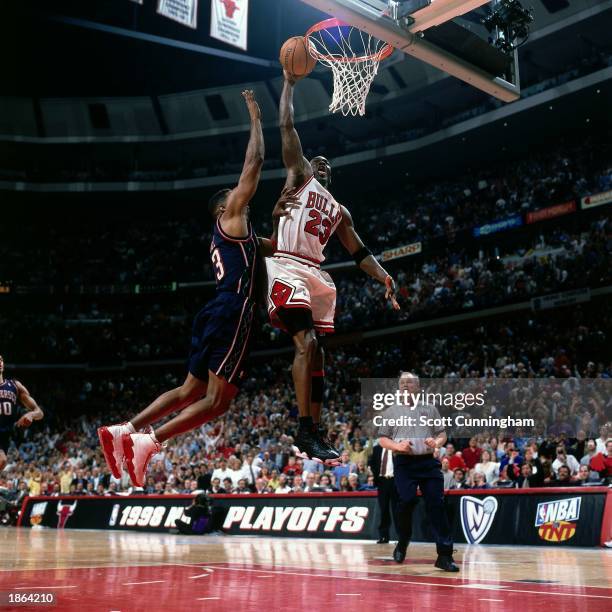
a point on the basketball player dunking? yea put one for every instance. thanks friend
(221, 331)
(302, 298)
(12, 395)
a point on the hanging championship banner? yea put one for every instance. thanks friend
(229, 21)
(183, 11)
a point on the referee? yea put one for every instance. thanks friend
(415, 466)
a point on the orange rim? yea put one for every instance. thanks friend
(380, 55)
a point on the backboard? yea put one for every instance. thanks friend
(425, 30)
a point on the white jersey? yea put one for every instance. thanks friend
(306, 231)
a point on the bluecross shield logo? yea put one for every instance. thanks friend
(477, 517)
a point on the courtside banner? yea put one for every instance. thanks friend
(551, 212)
(134, 513)
(553, 517)
(348, 516)
(229, 21)
(403, 251)
(572, 516)
(183, 11)
(597, 199)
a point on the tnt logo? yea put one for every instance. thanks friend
(556, 520)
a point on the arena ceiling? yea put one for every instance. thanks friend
(56, 56)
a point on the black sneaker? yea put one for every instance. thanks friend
(399, 554)
(322, 434)
(308, 445)
(446, 563)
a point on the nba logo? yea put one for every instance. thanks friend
(477, 517)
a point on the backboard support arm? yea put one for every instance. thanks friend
(370, 16)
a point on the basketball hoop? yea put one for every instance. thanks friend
(353, 56)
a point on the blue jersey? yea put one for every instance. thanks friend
(8, 405)
(234, 262)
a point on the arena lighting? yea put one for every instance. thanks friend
(508, 25)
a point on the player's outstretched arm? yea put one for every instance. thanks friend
(241, 195)
(298, 167)
(34, 411)
(363, 258)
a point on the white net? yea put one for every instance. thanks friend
(354, 57)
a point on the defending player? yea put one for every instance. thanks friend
(302, 298)
(12, 395)
(221, 330)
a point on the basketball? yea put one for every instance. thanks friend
(295, 57)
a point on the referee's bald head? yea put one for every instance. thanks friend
(409, 381)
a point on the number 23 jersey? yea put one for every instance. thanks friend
(306, 231)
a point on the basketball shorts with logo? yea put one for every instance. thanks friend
(293, 284)
(221, 336)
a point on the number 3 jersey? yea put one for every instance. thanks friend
(8, 405)
(295, 278)
(221, 332)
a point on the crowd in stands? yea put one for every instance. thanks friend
(455, 282)
(249, 449)
(156, 249)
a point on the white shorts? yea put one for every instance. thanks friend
(293, 284)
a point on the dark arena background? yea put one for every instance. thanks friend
(477, 169)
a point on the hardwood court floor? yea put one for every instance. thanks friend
(103, 570)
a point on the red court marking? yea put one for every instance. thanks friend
(238, 587)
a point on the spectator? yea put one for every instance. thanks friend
(480, 481)
(447, 473)
(345, 467)
(459, 481)
(215, 485)
(471, 454)
(587, 478)
(564, 477)
(602, 462)
(563, 459)
(283, 484)
(504, 481)
(222, 471)
(488, 467)
(261, 487)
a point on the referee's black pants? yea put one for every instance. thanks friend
(387, 502)
(423, 472)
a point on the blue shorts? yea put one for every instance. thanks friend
(221, 337)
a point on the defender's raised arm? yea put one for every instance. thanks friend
(241, 195)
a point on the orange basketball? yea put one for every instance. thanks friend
(295, 57)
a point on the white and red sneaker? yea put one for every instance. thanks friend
(138, 448)
(112, 445)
